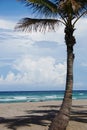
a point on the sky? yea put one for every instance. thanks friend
(37, 61)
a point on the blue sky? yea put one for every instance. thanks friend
(37, 61)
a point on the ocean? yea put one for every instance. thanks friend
(37, 96)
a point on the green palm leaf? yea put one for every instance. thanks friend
(66, 9)
(43, 7)
(28, 24)
(83, 6)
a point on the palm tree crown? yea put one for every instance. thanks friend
(52, 13)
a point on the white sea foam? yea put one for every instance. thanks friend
(74, 98)
(12, 99)
(37, 96)
(6, 100)
(81, 94)
(60, 97)
(20, 98)
(51, 97)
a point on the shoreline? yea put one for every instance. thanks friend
(37, 96)
(38, 115)
(41, 101)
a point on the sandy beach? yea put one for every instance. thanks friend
(38, 115)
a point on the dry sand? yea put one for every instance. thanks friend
(38, 115)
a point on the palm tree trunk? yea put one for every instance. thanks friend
(61, 120)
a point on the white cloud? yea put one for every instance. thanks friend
(81, 25)
(6, 24)
(41, 67)
(16, 44)
(84, 64)
(43, 71)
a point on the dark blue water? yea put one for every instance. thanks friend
(36, 96)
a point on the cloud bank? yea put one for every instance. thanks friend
(42, 71)
(37, 58)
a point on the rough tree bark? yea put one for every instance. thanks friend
(61, 120)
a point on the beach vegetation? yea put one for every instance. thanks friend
(48, 16)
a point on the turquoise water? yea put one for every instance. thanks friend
(36, 96)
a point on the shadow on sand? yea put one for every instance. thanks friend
(42, 117)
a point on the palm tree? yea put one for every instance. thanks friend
(53, 12)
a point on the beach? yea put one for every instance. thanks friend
(38, 115)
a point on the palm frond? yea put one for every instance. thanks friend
(43, 7)
(83, 4)
(69, 7)
(42, 25)
(72, 7)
